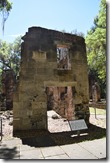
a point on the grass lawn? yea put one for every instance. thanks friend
(98, 111)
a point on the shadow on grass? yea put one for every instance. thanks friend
(46, 139)
(8, 153)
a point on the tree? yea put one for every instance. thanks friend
(9, 70)
(96, 44)
(10, 54)
(5, 8)
(15, 55)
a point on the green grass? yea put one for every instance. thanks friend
(98, 111)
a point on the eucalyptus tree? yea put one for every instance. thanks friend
(5, 8)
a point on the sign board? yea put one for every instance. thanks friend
(76, 125)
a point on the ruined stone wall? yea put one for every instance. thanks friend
(60, 99)
(8, 86)
(50, 59)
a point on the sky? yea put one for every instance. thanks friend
(68, 15)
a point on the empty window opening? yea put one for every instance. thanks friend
(63, 57)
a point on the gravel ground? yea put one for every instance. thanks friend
(55, 123)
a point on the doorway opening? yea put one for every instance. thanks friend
(60, 108)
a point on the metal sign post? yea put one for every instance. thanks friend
(94, 105)
(95, 113)
(1, 128)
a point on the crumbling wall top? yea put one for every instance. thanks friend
(55, 34)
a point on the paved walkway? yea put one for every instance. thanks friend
(15, 149)
(56, 146)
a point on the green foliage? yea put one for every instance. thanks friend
(16, 55)
(5, 4)
(5, 8)
(10, 55)
(98, 111)
(96, 43)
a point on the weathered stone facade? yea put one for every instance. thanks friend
(8, 86)
(51, 61)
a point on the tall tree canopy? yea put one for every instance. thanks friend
(96, 43)
(5, 7)
(10, 54)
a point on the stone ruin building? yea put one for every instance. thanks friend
(94, 89)
(8, 81)
(53, 75)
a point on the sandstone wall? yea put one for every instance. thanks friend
(8, 85)
(42, 52)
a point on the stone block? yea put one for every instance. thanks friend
(26, 124)
(66, 78)
(39, 56)
(16, 97)
(44, 71)
(32, 65)
(26, 86)
(59, 84)
(17, 123)
(16, 105)
(24, 97)
(39, 79)
(40, 106)
(42, 125)
(52, 65)
(39, 122)
(51, 56)
(63, 72)
(29, 77)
